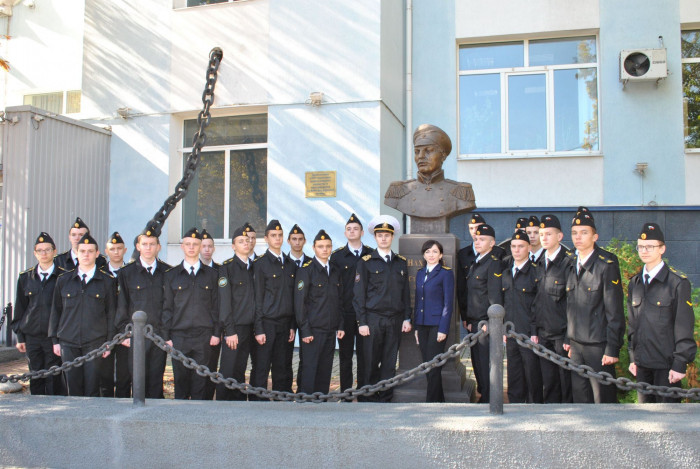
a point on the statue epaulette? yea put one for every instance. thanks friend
(397, 189)
(463, 191)
(367, 257)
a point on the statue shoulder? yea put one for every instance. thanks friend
(398, 189)
(463, 191)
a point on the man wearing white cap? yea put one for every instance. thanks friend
(382, 303)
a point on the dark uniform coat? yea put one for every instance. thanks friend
(483, 287)
(550, 300)
(237, 295)
(317, 299)
(345, 260)
(465, 258)
(519, 297)
(381, 288)
(65, 261)
(140, 290)
(33, 303)
(274, 290)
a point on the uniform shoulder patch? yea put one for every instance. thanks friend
(497, 274)
(257, 258)
(444, 267)
(308, 263)
(680, 274)
(227, 261)
(367, 257)
(494, 257)
(401, 257)
(340, 248)
(171, 268)
(130, 262)
(27, 271)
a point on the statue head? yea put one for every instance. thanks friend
(431, 146)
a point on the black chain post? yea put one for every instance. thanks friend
(7, 311)
(496, 330)
(138, 342)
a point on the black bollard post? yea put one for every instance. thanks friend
(138, 342)
(496, 330)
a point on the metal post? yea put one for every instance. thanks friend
(496, 330)
(138, 342)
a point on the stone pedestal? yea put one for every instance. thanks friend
(456, 387)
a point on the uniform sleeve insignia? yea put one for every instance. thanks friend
(615, 282)
(494, 257)
(689, 304)
(300, 285)
(497, 275)
(366, 258)
(357, 278)
(223, 281)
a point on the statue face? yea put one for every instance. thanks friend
(428, 158)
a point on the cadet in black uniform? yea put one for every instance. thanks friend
(119, 358)
(31, 316)
(595, 319)
(237, 297)
(661, 318)
(483, 290)
(82, 318)
(296, 240)
(191, 315)
(533, 232)
(69, 260)
(608, 254)
(205, 256)
(250, 231)
(550, 309)
(274, 313)
(383, 305)
(141, 289)
(318, 310)
(519, 284)
(345, 259)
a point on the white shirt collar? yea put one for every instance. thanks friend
(520, 267)
(74, 256)
(146, 266)
(49, 271)
(296, 258)
(187, 266)
(322, 264)
(384, 253)
(88, 275)
(583, 260)
(654, 272)
(536, 253)
(553, 256)
(210, 264)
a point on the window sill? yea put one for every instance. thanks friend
(528, 156)
(692, 151)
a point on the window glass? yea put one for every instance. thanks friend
(203, 206)
(690, 44)
(230, 130)
(480, 114)
(527, 112)
(691, 104)
(248, 189)
(73, 101)
(562, 51)
(575, 109)
(51, 102)
(480, 57)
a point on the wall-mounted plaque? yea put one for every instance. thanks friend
(320, 184)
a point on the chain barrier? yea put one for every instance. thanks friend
(349, 394)
(6, 311)
(606, 378)
(54, 370)
(198, 141)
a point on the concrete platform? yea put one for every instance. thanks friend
(83, 432)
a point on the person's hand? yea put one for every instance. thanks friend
(340, 334)
(363, 330)
(674, 376)
(468, 327)
(567, 347)
(308, 340)
(416, 336)
(504, 338)
(106, 354)
(232, 341)
(484, 328)
(535, 339)
(292, 334)
(57, 349)
(406, 326)
(127, 343)
(633, 369)
(261, 339)
(214, 341)
(22, 347)
(441, 336)
(609, 360)
(169, 342)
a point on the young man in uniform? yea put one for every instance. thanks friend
(661, 318)
(383, 305)
(318, 310)
(296, 240)
(533, 232)
(519, 285)
(595, 320)
(31, 316)
(69, 260)
(191, 315)
(82, 318)
(141, 289)
(205, 257)
(345, 259)
(483, 290)
(274, 313)
(250, 231)
(550, 309)
(237, 297)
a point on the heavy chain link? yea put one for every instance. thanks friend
(54, 370)
(605, 378)
(349, 394)
(198, 141)
(6, 311)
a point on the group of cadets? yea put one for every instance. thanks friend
(252, 308)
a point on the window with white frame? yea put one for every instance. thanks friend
(529, 97)
(690, 59)
(59, 102)
(230, 187)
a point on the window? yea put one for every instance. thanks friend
(230, 187)
(690, 58)
(528, 97)
(53, 102)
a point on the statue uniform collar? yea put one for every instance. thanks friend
(437, 176)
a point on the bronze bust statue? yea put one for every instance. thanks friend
(430, 199)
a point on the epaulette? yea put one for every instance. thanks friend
(494, 257)
(259, 257)
(609, 261)
(227, 261)
(61, 268)
(463, 191)
(307, 263)
(397, 189)
(106, 273)
(569, 253)
(533, 264)
(680, 274)
(401, 257)
(444, 267)
(172, 268)
(340, 248)
(130, 262)
(27, 271)
(367, 257)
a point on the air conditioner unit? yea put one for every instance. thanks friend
(643, 64)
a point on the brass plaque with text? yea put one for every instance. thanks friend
(320, 184)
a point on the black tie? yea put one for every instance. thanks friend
(532, 257)
(646, 279)
(46, 275)
(191, 271)
(84, 281)
(357, 253)
(547, 263)
(388, 258)
(149, 268)
(515, 274)
(298, 262)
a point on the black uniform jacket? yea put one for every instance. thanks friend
(190, 306)
(483, 287)
(33, 303)
(80, 316)
(661, 321)
(594, 304)
(381, 287)
(346, 261)
(550, 300)
(236, 294)
(65, 261)
(465, 259)
(140, 290)
(519, 297)
(317, 299)
(274, 290)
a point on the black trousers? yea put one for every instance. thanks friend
(155, 368)
(524, 375)
(657, 378)
(83, 380)
(41, 357)
(234, 363)
(429, 348)
(274, 355)
(381, 349)
(589, 390)
(556, 381)
(188, 384)
(481, 364)
(213, 365)
(318, 363)
(349, 344)
(115, 374)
